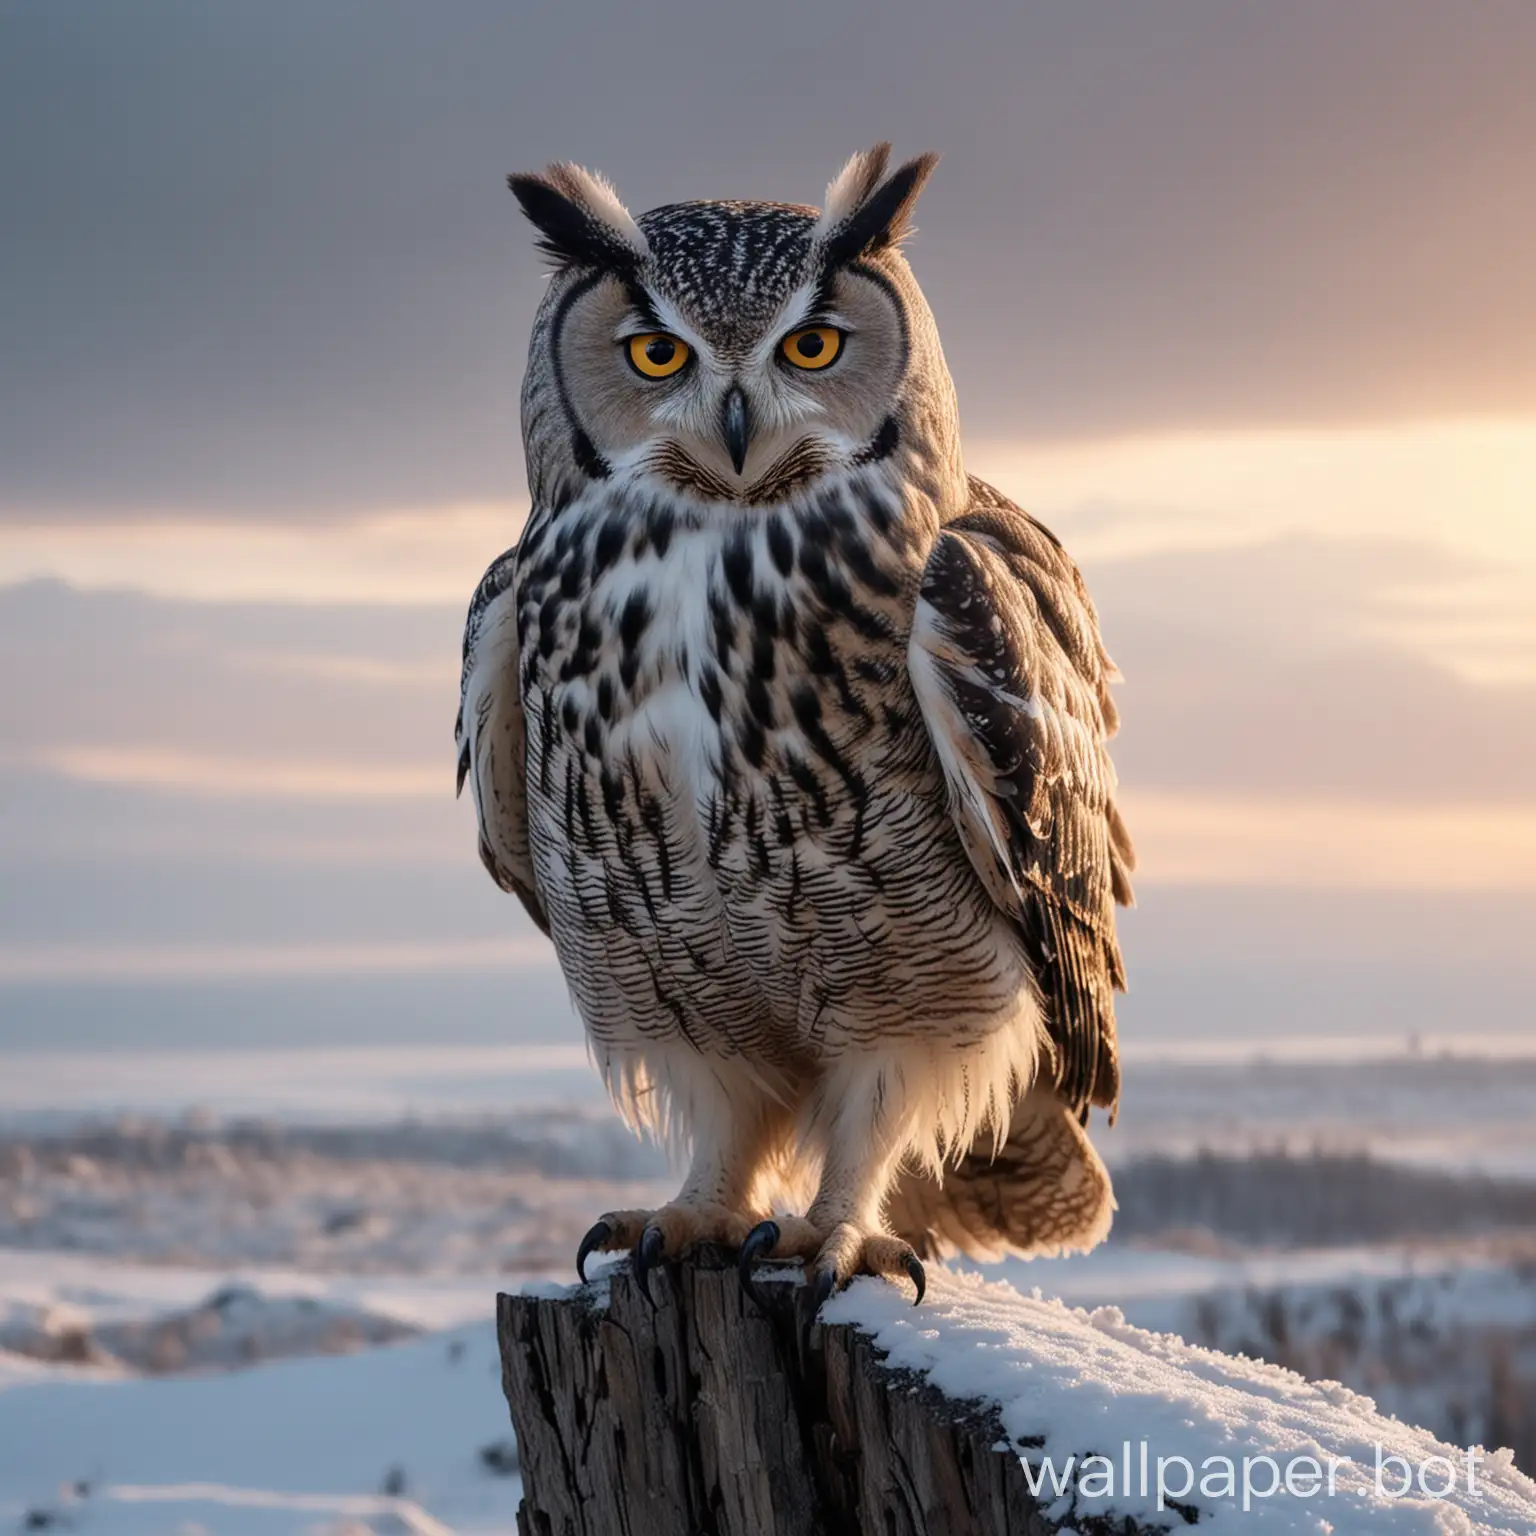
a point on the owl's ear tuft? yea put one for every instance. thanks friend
(579, 217)
(866, 210)
(854, 183)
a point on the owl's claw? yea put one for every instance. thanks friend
(651, 1246)
(914, 1268)
(758, 1244)
(849, 1251)
(599, 1234)
(821, 1290)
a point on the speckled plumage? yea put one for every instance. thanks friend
(728, 264)
(801, 766)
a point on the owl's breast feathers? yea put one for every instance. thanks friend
(824, 755)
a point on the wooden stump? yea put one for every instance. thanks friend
(709, 1414)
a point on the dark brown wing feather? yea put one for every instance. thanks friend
(1014, 683)
(491, 736)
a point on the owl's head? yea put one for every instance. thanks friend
(738, 351)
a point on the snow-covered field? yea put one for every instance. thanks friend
(411, 1437)
(247, 1293)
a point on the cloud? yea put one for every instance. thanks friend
(260, 261)
(172, 891)
(1261, 933)
(1417, 536)
(1259, 672)
(404, 559)
(1186, 839)
(1460, 482)
(91, 674)
(48, 818)
(118, 964)
(241, 778)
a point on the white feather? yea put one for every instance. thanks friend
(970, 800)
(852, 185)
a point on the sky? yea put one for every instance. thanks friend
(1236, 296)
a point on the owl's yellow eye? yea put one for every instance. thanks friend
(657, 355)
(814, 347)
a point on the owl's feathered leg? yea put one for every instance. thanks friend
(735, 1154)
(847, 1213)
(876, 1108)
(844, 1232)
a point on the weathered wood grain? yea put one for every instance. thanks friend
(709, 1415)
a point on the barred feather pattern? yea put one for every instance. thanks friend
(1044, 1192)
(736, 817)
(758, 876)
(489, 735)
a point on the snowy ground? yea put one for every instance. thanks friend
(410, 1437)
(254, 1294)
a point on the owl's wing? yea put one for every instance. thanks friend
(1013, 682)
(491, 737)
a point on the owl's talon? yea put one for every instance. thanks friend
(758, 1244)
(914, 1268)
(597, 1235)
(821, 1290)
(652, 1244)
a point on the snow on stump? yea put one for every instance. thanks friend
(980, 1411)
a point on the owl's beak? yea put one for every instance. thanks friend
(735, 427)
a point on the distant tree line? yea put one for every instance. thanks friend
(1311, 1200)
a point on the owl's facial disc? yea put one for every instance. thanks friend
(811, 348)
(727, 415)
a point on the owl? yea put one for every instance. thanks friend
(791, 736)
